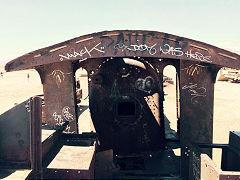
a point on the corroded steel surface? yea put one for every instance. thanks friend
(20, 136)
(196, 107)
(15, 135)
(127, 44)
(126, 103)
(58, 88)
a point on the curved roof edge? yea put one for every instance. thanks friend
(126, 43)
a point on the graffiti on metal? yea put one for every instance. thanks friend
(61, 118)
(194, 69)
(58, 76)
(82, 52)
(121, 44)
(195, 92)
(66, 114)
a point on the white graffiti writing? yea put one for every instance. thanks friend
(66, 114)
(195, 92)
(151, 49)
(134, 47)
(58, 118)
(165, 49)
(68, 130)
(197, 56)
(82, 52)
(171, 50)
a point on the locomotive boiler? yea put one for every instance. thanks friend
(125, 102)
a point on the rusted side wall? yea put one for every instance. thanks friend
(196, 107)
(58, 87)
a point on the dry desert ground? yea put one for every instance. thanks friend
(15, 87)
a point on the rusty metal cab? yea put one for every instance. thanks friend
(125, 81)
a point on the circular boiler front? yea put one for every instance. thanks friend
(126, 102)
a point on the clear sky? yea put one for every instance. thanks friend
(27, 25)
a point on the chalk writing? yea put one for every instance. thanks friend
(194, 69)
(82, 52)
(195, 91)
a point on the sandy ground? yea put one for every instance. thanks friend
(15, 87)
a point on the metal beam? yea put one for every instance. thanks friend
(127, 44)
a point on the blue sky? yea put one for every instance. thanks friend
(28, 25)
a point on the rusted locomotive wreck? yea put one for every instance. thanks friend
(125, 81)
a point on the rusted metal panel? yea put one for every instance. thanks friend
(226, 175)
(49, 143)
(196, 107)
(234, 140)
(15, 137)
(58, 88)
(197, 92)
(20, 132)
(231, 155)
(127, 44)
(71, 156)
